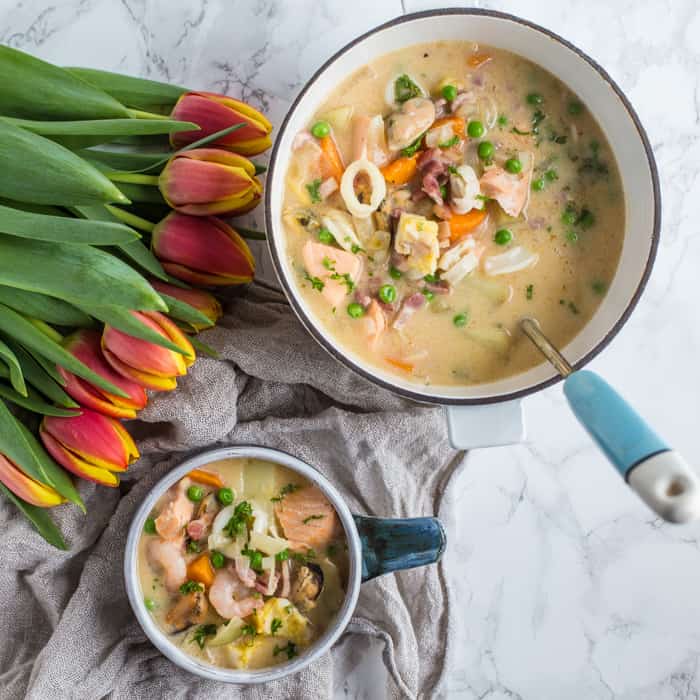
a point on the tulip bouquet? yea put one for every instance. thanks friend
(105, 244)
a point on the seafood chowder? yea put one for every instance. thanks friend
(442, 193)
(243, 564)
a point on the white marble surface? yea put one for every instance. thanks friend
(569, 587)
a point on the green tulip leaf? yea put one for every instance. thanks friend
(37, 170)
(34, 89)
(109, 129)
(33, 402)
(142, 193)
(123, 160)
(45, 308)
(126, 322)
(16, 326)
(39, 518)
(182, 311)
(138, 93)
(74, 273)
(14, 369)
(63, 229)
(42, 378)
(203, 348)
(22, 448)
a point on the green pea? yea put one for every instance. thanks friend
(538, 184)
(486, 150)
(449, 92)
(217, 559)
(428, 294)
(356, 310)
(149, 527)
(225, 496)
(192, 547)
(195, 493)
(503, 236)
(256, 560)
(513, 165)
(460, 320)
(394, 273)
(575, 107)
(475, 129)
(149, 603)
(572, 236)
(551, 175)
(568, 217)
(325, 236)
(387, 293)
(534, 98)
(321, 129)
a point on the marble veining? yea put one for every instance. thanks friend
(566, 585)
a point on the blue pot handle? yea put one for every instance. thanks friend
(392, 544)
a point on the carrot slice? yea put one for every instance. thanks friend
(478, 59)
(457, 124)
(201, 570)
(400, 364)
(462, 224)
(205, 477)
(401, 170)
(332, 162)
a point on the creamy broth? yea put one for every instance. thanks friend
(565, 239)
(205, 565)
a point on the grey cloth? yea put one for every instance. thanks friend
(67, 628)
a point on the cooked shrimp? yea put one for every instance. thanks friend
(307, 517)
(223, 592)
(168, 557)
(177, 513)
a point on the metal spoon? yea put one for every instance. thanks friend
(659, 475)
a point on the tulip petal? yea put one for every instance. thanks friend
(97, 440)
(26, 488)
(149, 381)
(76, 465)
(174, 333)
(204, 302)
(185, 181)
(205, 245)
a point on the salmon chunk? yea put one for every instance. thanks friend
(510, 191)
(375, 323)
(307, 518)
(330, 265)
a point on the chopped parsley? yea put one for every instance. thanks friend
(331, 550)
(452, 169)
(538, 117)
(598, 287)
(191, 587)
(289, 488)
(250, 632)
(306, 521)
(303, 558)
(192, 547)
(357, 249)
(201, 632)
(255, 556)
(290, 650)
(573, 308)
(345, 279)
(313, 189)
(316, 283)
(502, 120)
(282, 555)
(328, 263)
(276, 624)
(412, 148)
(592, 165)
(237, 524)
(405, 89)
(529, 291)
(450, 142)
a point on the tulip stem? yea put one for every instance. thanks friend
(251, 233)
(45, 329)
(133, 178)
(131, 219)
(140, 114)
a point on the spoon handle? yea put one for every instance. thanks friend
(660, 476)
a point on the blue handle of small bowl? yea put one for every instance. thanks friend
(659, 475)
(392, 544)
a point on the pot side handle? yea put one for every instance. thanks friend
(487, 425)
(392, 544)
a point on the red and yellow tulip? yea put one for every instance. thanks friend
(212, 113)
(145, 363)
(91, 446)
(202, 250)
(25, 487)
(85, 346)
(207, 181)
(199, 299)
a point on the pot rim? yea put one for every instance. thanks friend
(227, 675)
(423, 397)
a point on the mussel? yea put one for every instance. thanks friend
(190, 609)
(308, 586)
